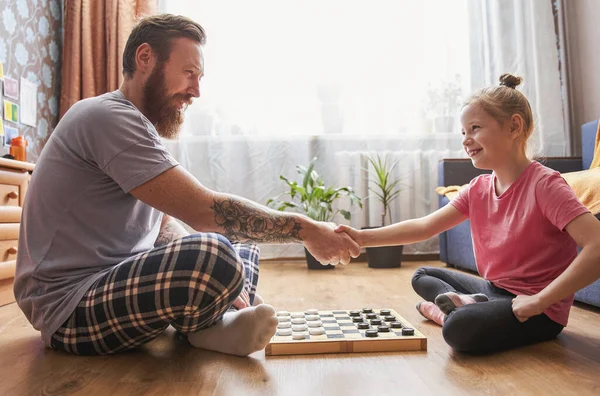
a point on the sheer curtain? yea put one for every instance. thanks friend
(520, 36)
(286, 81)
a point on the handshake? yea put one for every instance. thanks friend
(332, 244)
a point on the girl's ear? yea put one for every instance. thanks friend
(516, 126)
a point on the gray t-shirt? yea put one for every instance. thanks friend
(79, 219)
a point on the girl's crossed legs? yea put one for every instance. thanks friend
(483, 327)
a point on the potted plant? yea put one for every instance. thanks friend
(443, 104)
(315, 200)
(386, 191)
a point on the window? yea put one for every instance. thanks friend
(315, 67)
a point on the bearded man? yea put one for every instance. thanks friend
(103, 266)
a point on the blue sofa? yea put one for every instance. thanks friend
(456, 246)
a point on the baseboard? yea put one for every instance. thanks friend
(421, 257)
(362, 258)
(405, 257)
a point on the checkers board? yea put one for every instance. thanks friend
(343, 331)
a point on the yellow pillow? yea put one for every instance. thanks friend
(586, 185)
(451, 191)
(596, 159)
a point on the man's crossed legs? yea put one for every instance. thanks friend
(190, 284)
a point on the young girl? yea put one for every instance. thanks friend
(526, 223)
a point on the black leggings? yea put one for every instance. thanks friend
(483, 327)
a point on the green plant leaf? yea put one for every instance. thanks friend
(346, 214)
(302, 170)
(284, 205)
(312, 197)
(307, 173)
(393, 195)
(378, 195)
(394, 184)
(382, 186)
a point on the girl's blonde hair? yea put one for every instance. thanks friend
(502, 101)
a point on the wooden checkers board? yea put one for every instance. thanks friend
(343, 331)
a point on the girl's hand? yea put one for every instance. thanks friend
(524, 307)
(352, 233)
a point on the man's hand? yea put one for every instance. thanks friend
(327, 246)
(524, 307)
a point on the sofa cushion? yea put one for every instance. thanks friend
(450, 192)
(586, 185)
(461, 254)
(589, 294)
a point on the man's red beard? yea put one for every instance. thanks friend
(161, 110)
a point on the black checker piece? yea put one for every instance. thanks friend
(371, 333)
(408, 331)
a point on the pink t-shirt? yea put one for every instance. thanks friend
(518, 237)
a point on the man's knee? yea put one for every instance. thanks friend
(220, 255)
(214, 264)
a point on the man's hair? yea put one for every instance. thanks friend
(158, 31)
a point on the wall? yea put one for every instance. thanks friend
(30, 47)
(583, 54)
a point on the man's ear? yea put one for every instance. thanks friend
(144, 58)
(516, 126)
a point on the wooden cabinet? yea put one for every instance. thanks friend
(14, 178)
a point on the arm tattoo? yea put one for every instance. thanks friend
(170, 231)
(244, 221)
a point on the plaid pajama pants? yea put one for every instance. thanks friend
(188, 284)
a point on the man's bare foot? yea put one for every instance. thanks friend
(240, 332)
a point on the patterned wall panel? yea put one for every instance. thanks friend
(30, 47)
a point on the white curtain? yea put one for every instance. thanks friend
(287, 81)
(519, 36)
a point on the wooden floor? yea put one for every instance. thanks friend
(568, 366)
